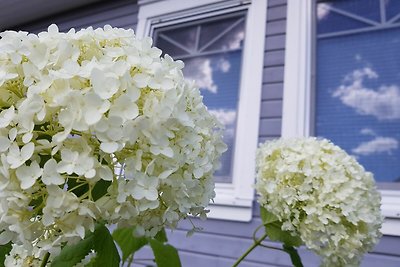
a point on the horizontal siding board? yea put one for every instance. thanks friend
(273, 74)
(272, 91)
(103, 8)
(389, 245)
(97, 21)
(85, 16)
(116, 22)
(276, 13)
(374, 260)
(270, 127)
(195, 259)
(276, 27)
(123, 8)
(271, 109)
(143, 257)
(19, 12)
(274, 58)
(117, 13)
(275, 42)
(272, 3)
(231, 247)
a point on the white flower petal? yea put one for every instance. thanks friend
(109, 147)
(4, 143)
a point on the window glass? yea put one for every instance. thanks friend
(363, 8)
(213, 59)
(358, 91)
(331, 22)
(230, 40)
(173, 50)
(392, 9)
(211, 30)
(185, 36)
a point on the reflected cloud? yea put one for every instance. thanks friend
(323, 10)
(230, 41)
(223, 65)
(200, 70)
(383, 102)
(368, 131)
(237, 40)
(379, 145)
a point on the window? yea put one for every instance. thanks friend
(213, 38)
(348, 74)
(357, 102)
(212, 52)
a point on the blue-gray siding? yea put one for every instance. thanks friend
(118, 13)
(221, 242)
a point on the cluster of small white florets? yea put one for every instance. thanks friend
(322, 195)
(76, 108)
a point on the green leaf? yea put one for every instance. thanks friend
(294, 256)
(275, 233)
(161, 236)
(73, 254)
(107, 253)
(273, 227)
(4, 250)
(165, 255)
(128, 242)
(100, 189)
(79, 191)
(266, 216)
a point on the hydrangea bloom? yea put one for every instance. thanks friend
(322, 195)
(77, 110)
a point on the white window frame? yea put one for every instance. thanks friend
(234, 201)
(297, 94)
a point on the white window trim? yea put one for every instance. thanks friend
(233, 201)
(297, 101)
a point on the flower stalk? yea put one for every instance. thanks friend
(250, 249)
(45, 259)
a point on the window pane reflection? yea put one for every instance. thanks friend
(185, 36)
(358, 97)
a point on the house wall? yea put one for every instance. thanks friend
(118, 13)
(222, 242)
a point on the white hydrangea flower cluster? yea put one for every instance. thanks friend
(78, 107)
(322, 195)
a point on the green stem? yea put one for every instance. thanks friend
(130, 262)
(294, 256)
(250, 249)
(45, 259)
(262, 245)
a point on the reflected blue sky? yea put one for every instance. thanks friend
(358, 98)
